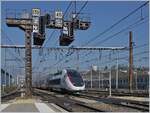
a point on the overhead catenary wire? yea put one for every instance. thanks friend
(6, 36)
(54, 31)
(67, 9)
(105, 56)
(75, 18)
(18, 61)
(128, 27)
(63, 17)
(81, 9)
(75, 8)
(112, 26)
(136, 47)
(114, 59)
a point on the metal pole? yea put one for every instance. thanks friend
(130, 61)
(91, 77)
(136, 80)
(9, 79)
(110, 83)
(117, 71)
(102, 80)
(99, 66)
(17, 80)
(77, 61)
(99, 79)
(3, 87)
(5, 78)
(28, 63)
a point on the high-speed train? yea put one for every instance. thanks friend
(65, 80)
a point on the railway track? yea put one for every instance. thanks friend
(10, 96)
(66, 103)
(113, 104)
(142, 106)
(117, 93)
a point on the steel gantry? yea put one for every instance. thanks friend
(37, 24)
(25, 24)
(66, 48)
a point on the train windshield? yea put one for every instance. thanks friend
(75, 78)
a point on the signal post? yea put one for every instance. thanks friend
(25, 24)
(37, 25)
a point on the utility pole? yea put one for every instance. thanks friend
(136, 74)
(130, 61)
(91, 77)
(99, 58)
(117, 71)
(110, 76)
(5, 68)
(110, 83)
(99, 78)
(102, 79)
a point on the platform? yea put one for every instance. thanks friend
(30, 105)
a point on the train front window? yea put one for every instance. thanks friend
(75, 78)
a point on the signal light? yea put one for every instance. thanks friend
(38, 39)
(67, 36)
(65, 40)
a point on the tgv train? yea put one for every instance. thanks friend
(65, 80)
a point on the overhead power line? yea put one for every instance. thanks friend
(53, 32)
(115, 34)
(75, 18)
(128, 27)
(122, 19)
(114, 59)
(9, 39)
(81, 9)
(67, 9)
(112, 26)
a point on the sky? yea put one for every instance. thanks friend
(102, 15)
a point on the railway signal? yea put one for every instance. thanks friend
(57, 22)
(36, 25)
(67, 27)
